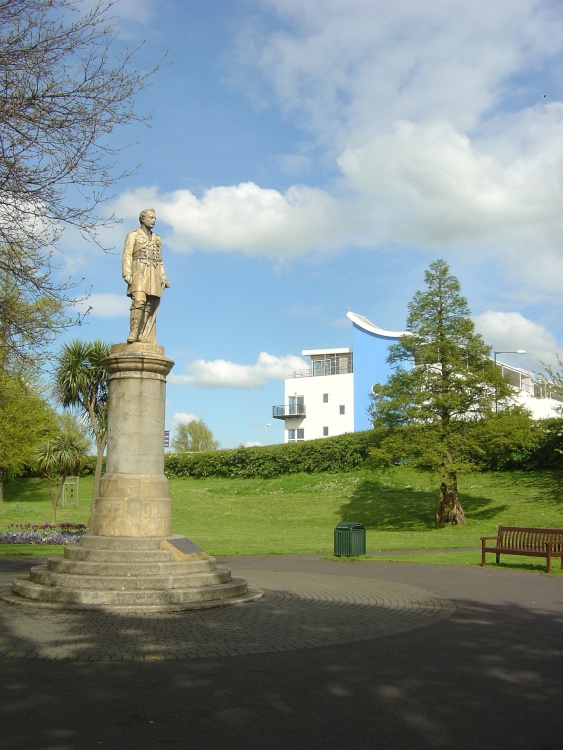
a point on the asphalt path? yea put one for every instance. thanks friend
(359, 656)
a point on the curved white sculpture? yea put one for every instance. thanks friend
(369, 327)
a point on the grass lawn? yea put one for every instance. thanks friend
(298, 513)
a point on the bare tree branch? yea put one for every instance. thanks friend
(65, 87)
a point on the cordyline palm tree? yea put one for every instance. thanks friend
(60, 457)
(81, 384)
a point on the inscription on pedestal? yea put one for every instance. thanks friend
(137, 348)
(183, 548)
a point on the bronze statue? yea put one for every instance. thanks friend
(144, 274)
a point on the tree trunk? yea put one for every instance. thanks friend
(449, 508)
(100, 448)
(55, 496)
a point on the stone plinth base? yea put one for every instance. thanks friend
(130, 574)
(132, 516)
(132, 505)
(134, 495)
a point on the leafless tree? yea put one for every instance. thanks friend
(66, 84)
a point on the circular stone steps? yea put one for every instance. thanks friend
(121, 568)
(77, 552)
(128, 573)
(128, 581)
(236, 587)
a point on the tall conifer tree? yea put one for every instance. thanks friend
(444, 381)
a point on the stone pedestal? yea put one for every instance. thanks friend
(134, 498)
(130, 560)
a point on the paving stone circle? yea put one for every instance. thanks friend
(298, 611)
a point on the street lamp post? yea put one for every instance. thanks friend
(514, 351)
(268, 424)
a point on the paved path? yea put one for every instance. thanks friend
(336, 655)
(298, 610)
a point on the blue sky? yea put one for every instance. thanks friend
(306, 158)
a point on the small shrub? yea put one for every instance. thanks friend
(88, 468)
(46, 533)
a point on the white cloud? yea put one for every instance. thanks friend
(220, 373)
(509, 331)
(434, 118)
(245, 217)
(305, 311)
(105, 305)
(430, 184)
(427, 185)
(347, 69)
(140, 11)
(182, 418)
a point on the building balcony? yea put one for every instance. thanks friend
(313, 372)
(288, 411)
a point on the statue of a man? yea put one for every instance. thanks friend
(144, 274)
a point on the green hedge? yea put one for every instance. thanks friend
(339, 453)
(547, 450)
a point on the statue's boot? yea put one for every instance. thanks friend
(135, 321)
(146, 327)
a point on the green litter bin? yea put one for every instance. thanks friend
(349, 539)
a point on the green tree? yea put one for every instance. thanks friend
(26, 419)
(506, 440)
(25, 416)
(444, 381)
(27, 325)
(192, 437)
(61, 456)
(66, 85)
(553, 382)
(81, 384)
(553, 387)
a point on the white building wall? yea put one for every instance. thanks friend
(324, 396)
(528, 389)
(540, 408)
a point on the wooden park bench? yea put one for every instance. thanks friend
(516, 540)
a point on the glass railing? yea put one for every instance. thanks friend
(288, 410)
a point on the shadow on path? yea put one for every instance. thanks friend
(489, 676)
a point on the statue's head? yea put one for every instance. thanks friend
(144, 213)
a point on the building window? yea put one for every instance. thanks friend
(342, 409)
(294, 435)
(332, 364)
(325, 431)
(325, 398)
(296, 405)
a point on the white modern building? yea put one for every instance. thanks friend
(319, 401)
(333, 395)
(531, 393)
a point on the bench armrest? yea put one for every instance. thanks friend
(488, 538)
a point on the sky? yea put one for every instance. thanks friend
(310, 157)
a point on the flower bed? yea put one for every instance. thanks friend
(46, 533)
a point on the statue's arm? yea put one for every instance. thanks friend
(163, 277)
(165, 281)
(127, 260)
